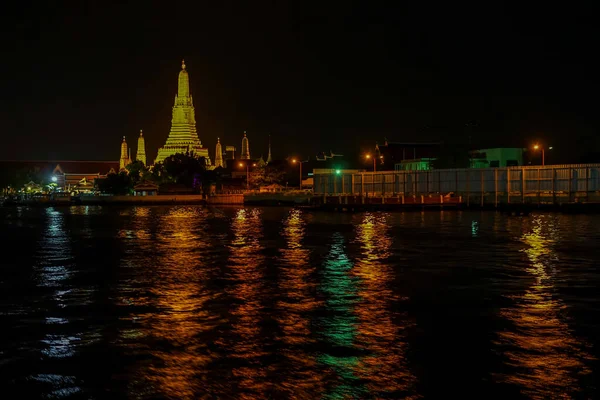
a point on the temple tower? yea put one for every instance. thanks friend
(183, 136)
(269, 159)
(124, 160)
(245, 148)
(218, 155)
(141, 149)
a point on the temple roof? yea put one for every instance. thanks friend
(66, 166)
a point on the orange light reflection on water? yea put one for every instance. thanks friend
(385, 366)
(180, 319)
(301, 378)
(246, 265)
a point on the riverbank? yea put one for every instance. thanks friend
(512, 209)
(308, 203)
(258, 199)
(130, 200)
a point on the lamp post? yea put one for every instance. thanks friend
(368, 157)
(247, 174)
(294, 161)
(538, 147)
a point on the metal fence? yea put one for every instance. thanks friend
(503, 183)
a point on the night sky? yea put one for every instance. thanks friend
(336, 76)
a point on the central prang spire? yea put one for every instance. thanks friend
(183, 137)
(183, 91)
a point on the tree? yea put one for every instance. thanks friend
(183, 169)
(17, 178)
(116, 184)
(137, 172)
(266, 175)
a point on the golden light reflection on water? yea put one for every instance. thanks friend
(181, 318)
(385, 366)
(246, 265)
(547, 357)
(294, 315)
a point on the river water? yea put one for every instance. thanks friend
(246, 303)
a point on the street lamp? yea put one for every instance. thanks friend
(368, 157)
(247, 174)
(294, 161)
(538, 147)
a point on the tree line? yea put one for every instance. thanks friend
(187, 171)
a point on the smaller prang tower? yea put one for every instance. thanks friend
(245, 148)
(218, 154)
(124, 160)
(141, 149)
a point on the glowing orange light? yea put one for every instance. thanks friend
(254, 165)
(241, 165)
(537, 146)
(368, 156)
(294, 160)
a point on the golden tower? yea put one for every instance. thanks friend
(183, 136)
(245, 148)
(141, 149)
(124, 160)
(218, 155)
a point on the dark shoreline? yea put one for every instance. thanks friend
(513, 209)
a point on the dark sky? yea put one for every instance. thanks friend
(336, 76)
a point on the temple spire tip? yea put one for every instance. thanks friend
(182, 64)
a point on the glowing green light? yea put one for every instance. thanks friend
(337, 171)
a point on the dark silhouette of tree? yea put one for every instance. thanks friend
(115, 184)
(183, 169)
(137, 172)
(17, 178)
(263, 175)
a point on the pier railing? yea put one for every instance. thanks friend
(542, 184)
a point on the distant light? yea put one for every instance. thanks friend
(537, 146)
(28, 187)
(54, 179)
(368, 156)
(241, 165)
(254, 165)
(550, 148)
(337, 171)
(294, 160)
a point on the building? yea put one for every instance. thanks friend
(125, 158)
(67, 175)
(218, 155)
(245, 148)
(145, 188)
(496, 157)
(183, 137)
(419, 164)
(406, 155)
(141, 149)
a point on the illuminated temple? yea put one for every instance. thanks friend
(183, 137)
